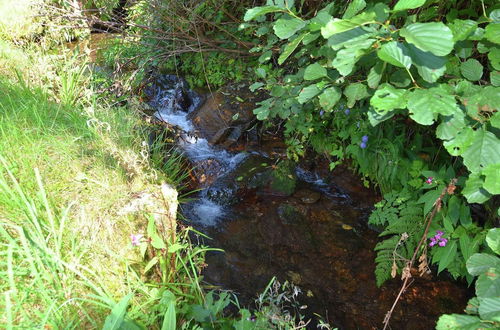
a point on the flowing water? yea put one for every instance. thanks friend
(316, 235)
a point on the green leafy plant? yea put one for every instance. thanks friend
(483, 311)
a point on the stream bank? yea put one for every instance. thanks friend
(275, 218)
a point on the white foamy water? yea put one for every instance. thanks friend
(206, 212)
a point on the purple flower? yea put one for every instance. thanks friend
(135, 239)
(443, 242)
(438, 239)
(362, 145)
(439, 234)
(433, 242)
(364, 138)
(347, 111)
(429, 180)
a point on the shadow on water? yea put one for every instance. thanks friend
(312, 233)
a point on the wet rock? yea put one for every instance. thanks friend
(307, 196)
(289, 214)
(226, 114)
(172, 93)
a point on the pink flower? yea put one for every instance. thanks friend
(443, 242)
(429, 180)
(135, 239)
(438, 239)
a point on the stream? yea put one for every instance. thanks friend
(303, 223)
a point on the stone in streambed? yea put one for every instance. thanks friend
(307, 196)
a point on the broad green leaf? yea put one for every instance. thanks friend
(429, 66)
(156, 241)
(489, 309)
(381, 12)
(376, 118)
(388, 98)
(484, 150)
(253, 87)
(462, 29)
(290, 48)
(471, 69)
(495, 120)
(308, 93)
(485, 99)
(169, 319)
(493, 239)
(494, 57)
(319, 21)
(448, 255)
(429, 199)
(355, 92)
(354, 7)
(424, 105)
(339, 40)
(464, 49)
(394, 53)
(495, 15)
(329, 98)
(481, 263)
(150, 264)
(375, 75)
(450, 126)
(408, 4)
(430, 37)
(314, 71)
(458, 322)
(347, 58)
(310, 37)
(284, 28)
(341, 25)
(461, 142)
(495, 78)
(259, 11)
(400, 78)
(492, 32)
(488, 285)
(474, 191)
(262, 112)
(117, 316)
(492, 178)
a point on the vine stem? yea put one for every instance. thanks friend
(406, 271)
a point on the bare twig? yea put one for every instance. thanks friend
(406, 271)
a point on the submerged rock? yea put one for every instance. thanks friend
(226, 114)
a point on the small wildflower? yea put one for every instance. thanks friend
(321, 113)
(433, 242)
(443, 242)
(347, 111)
(439, 234)
(135, 239)
(438, 239)
(362, 145)
(364, 138)
(429, 180)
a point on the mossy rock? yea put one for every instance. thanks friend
(283, 178)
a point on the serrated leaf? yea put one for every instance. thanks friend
(484, 150)
(495, 78)
(424, 105)
(493, 239)
(471, 69)
(259, 11)
(308, 93)
(494, 57)
(375, 75)
(458, 322)
(430, 37)
(355, 92)
(347, 58)
(395, 53)
(408, 4)
(462, 29)
(314, 71)
(450, 126)
(489, 309)
(461, 142)
(488, 285)
(329, 98)
(492, 178)
(474, 191)
(354, 7)
(481, 263)
(290, 48)
(339, 40)
(485, 99)
(388, 98)
(429, 66)
(400, 78)
(492, 32)
(341, 25)
(284, 28)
